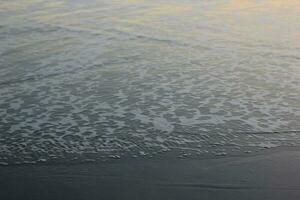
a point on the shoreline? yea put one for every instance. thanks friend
(272, 174)
(174, 154)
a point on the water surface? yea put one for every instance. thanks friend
(97, 79)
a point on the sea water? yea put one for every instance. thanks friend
(100, 79)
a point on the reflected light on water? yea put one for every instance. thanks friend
(147, 76)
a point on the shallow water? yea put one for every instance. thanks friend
(97, 79)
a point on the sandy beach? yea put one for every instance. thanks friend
(273, 174)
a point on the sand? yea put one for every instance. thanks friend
(273, 174)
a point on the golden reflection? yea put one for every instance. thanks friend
(127, 1)
(17, 5)
(53, 4)
(154, 15)
(276, 20)
(283, 4)
(250, 6)
(250, 19)
(167, 9)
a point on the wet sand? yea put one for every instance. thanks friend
(273, 174)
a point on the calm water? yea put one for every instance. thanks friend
(113, 78)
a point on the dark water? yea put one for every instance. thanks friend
(100, 79)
